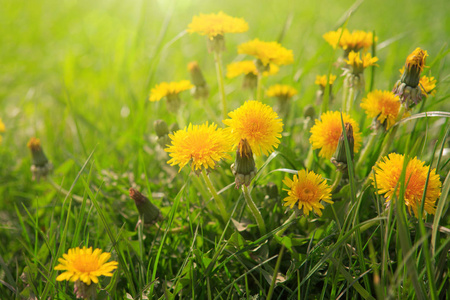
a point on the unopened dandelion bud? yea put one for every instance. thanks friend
(161, 128)
(40, 167)
(244, 168)
(147, 211)
(407, 88)
(340, 156)
(200, 89)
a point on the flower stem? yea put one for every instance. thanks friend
(291, 217)
(337, 180)
(220, 82)
(365, 151)
(218, 198)
(259, 88)
(254, 210)
(345, 93)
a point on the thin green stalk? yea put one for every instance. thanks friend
(351, 98)
(365, 152)
(259, 88)
(337, 180)
(345, 93)
(220, 82)
(291, 217)
(275, 272)
(254, 210)
(218, 198)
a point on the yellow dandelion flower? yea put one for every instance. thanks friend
(387, 176)
(212, 25)
(358, 65)
(248, 67)
(326, 132)
(322, 80)
(281, 90)
(2, 126)
(257, 123)
(267, 52)
(354, 41)
(427, 85)
(384, 105)
(204, 145)
(417, 59)
(168, 89)
(307, 189)
(85, 265)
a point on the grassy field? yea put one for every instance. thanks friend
(78, 75)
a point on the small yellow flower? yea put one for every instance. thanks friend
(257, 123)
(2, 129)
(267, 52)
(212, 25)
(427, 85)
(281, 90)
(85, 265)
(204, 145)
(308, 189)
(357, 64)
(383, 105)
(387, 176)
(168, 89)
(326, 132)
(248, 67)
(322, 80)
(354, 41)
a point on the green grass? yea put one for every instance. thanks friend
(77, 75)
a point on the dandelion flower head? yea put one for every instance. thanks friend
(258, 123)
(322, 80)
(387, 176)
(212, 25)
(428, 85)
(307, 190)
(354, 41)
(85, 265)
(326, 132)
(417, 59)
(203, 145)
(384, 105)
(248, 67)
(169, 88)
(358, 64)
(281, 90)
(267, 52)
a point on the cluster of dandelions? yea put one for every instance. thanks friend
(255, 129)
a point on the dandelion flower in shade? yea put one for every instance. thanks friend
(281, 90)
(428, 85)
(165, 89)
(202, 145)
(321, 80)
(212, 25)
(354, 41)
(258, 124)
(85, 265)
(307, 190)
(326, 132)
(382, 105)
(267, 52)
(387, 176)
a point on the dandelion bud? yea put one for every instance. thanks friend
(147, 211)
(244, 168)
(407, 88)
(200, 90)
(41, 167)
(161, 128)
(340, 156)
